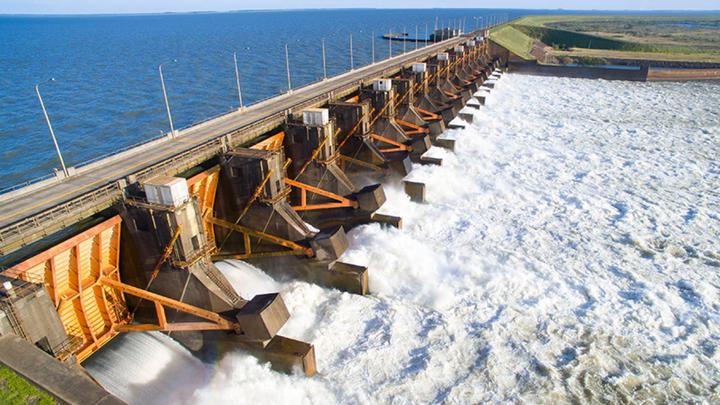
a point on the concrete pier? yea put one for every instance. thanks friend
(415, 190)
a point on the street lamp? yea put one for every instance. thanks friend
(416, 36)
(52, 133)
(352, 64)
(167, 104)
(404, 34)
(237, 81)
(390, 44)
(322, 42)
(287, 67)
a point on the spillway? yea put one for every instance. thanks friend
(568, 252)
(147, 368)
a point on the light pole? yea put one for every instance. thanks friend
(287, 67)
(52, 133)
(390, 43)
(427, 38)
(416, 37)
(322, 41)
(404, 34)
(237, 81)
(352, 64)
(167, 104)
(372, 42)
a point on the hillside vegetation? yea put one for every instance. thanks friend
(510, 37)
(653, 38)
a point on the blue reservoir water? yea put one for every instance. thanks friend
(107, 93)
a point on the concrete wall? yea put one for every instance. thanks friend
(683, 74)
(584, 72)
(498, 51)
(35, 313)
(67, 383)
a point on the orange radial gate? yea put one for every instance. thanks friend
(72, 272)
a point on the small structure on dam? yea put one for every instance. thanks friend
(279, 193)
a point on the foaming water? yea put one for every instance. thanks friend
(147, 368)
(568, 252)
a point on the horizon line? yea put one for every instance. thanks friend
(594, 10)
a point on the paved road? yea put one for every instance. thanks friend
(33, 202)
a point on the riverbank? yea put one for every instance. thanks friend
(616, 41)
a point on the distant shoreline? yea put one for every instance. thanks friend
(678, 12)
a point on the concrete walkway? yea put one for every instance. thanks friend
(69, 384)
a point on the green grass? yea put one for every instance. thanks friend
(15, 390)
(679, 38)
(661, 34)
(514, 40)
(569, 39)
(545, 20)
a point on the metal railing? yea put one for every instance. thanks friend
(26, 183)
(63, 350)
(118, 151)
(27, 230)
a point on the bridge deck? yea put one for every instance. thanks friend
(30, 214)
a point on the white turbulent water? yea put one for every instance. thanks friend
(569, 251)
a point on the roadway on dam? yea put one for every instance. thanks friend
(27, 204)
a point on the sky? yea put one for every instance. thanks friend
(157, 6)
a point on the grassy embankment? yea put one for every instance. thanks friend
(513, 39)
(15, 390)
(594, 39)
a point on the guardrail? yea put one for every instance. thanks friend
(34, 227)
(26, 183)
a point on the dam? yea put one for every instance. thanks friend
(127, 243)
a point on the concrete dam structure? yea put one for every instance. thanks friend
(127, 244)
